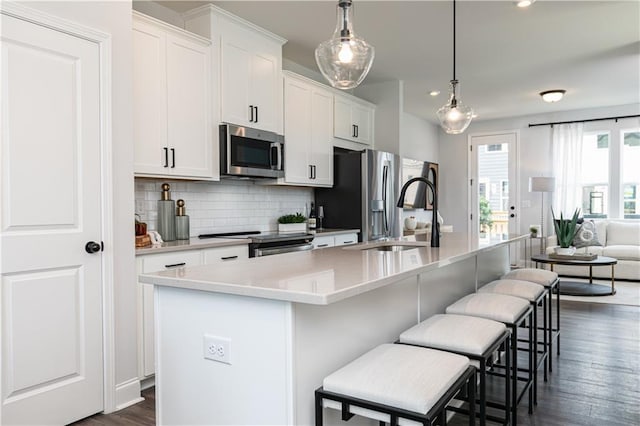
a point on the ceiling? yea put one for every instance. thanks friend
(505, 55)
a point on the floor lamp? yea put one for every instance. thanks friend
(542, 185)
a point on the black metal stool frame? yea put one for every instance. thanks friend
(482, 373)
(437, 412)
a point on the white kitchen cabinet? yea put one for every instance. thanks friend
(335, 240)
(165, 261)
(172, 102)
(308, 132)
(353, 119)
(251, 66)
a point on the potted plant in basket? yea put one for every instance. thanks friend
(292, 223)
(566, 230)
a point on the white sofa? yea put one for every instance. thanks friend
(620, 239)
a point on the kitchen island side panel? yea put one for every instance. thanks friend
(254, 389)
(328, 337)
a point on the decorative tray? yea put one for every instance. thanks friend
(575, 256)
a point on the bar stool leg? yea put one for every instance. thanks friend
(532, 368)
(545, 327)
(319, 410)
(514, 375)
(550, 331)
(507, 391)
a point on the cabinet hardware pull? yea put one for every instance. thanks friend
(315, 175)
(173, 158)
(228, 257)
(310, 171)
(323, 245)
(251, 113)
(357, 131)
(173, 265)
(256, 113)
(347, 242)
(353, 130)
(166, 157)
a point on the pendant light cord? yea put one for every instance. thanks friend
(454, 39)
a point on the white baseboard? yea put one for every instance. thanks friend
(128, 393)
(148, 382)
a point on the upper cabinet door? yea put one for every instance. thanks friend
(353, 119)
(322, 137)
(172, 102)
(236, 72)
(297, 131)
(342, 125)
(264, 91)
(363, 119)
(149, 99)
(189, 107)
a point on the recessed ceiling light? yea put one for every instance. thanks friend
(552, 95)
(434, 92)
(524, 3)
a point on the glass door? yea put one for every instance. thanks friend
(493, 187)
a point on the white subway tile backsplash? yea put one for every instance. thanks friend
(225, 206)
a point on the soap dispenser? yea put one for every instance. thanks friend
(166, 215)
(182, 222)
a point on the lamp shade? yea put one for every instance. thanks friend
(542, 184)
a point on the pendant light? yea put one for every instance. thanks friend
(345, 59)
(454, 117)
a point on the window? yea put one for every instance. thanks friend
(504, 195)
(610, 172)
(595, 175)
(631, 175)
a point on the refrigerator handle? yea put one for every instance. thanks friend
(385, 182)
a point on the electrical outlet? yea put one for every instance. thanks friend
(217, 348)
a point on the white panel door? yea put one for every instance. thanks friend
(149, 100)
(50, 295)
(322, 137)
(188, 106)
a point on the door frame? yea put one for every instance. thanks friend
(103, 41)
(516, 184)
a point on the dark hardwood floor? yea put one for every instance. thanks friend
(595, 381)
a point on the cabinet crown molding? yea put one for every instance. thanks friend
(215, 10)
(168, 27)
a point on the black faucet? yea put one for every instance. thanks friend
(435, 226)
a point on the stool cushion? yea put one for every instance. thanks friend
(498, 307)
(518, 288)
(538, 276)
(459, 333)
(401, 376)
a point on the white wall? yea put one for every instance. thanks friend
(534, 160)
(225, 206)
(158, 11)
(115, 18)
(389, 100)
(419, 139)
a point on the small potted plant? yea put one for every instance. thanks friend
(566, 230)
(533, 229)
(292, 223)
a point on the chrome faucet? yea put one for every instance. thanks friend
(435, 226)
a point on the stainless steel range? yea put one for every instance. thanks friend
(270, 243)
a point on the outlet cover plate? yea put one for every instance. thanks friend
(217, 348)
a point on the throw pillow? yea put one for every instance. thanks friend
(586, 235)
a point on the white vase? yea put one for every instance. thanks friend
(565, 251)
(410, 223)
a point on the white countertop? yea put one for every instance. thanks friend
(191, 244)
(322, 276)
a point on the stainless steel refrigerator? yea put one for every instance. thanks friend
(366, 185)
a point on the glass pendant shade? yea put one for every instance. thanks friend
(345, 59)
(454, 117)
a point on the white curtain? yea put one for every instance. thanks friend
(566, 148)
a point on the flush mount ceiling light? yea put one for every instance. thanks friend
(454, 117)
(434, 93)
(345, 59)
(552, 95)
(524, 3)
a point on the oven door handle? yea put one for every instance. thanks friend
(283, 249)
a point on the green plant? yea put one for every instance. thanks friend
(485, 215)
(533, 229)
(292, 218)
(566, 229)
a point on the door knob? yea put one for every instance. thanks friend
(512, 215)
(93, 247)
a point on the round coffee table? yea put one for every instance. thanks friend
(576, 288)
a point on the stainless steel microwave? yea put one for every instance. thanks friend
(250, 152)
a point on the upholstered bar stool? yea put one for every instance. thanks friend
(550, 281)
(476, 338)
(512, 312)
(536, 295)
(399, 385)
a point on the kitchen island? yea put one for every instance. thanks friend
(280, 324)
